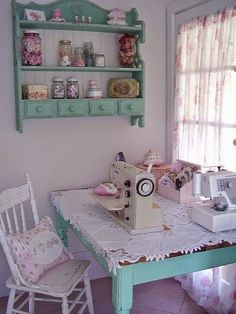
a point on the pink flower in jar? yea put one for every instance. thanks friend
(38, 60)
(38, 48)
(30, 47)
(30, 60)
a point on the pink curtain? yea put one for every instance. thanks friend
(205, 111)
(214, 289)
(205, 127)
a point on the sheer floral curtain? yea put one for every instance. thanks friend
(205, 127)
(205, 105)
(214, 289)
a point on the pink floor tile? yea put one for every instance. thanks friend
(189, 306)
(151, 311)
(156, 295)
(138, 310)
(168, 287)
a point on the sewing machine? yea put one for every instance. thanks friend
(133, 207)
(218, 213)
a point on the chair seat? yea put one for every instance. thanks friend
(58, 281)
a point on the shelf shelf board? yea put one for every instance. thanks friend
(78, 69)
(81, 27)
(78, 100)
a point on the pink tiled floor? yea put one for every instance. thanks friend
(159, 297)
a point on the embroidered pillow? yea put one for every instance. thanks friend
(37, 250)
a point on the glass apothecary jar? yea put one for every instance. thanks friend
(72, 88)
(88, 54)
(78, 59)
(99, 60)
(58, 88)
(31, 48)
(127, 50)
(64, 53)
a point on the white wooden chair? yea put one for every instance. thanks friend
(58, 282)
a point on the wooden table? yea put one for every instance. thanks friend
(143, 271)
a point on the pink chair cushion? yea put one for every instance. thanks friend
(37, 250)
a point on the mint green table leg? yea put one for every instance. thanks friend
(122, 290)
(62, 227)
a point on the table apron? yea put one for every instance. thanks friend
(169, 267)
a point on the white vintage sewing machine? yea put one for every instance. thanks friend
(218, 213)
(133, 207)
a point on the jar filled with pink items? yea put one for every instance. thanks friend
(72, 88)
(78, 59)
(127, 50)
(31, 48)
(64, 53)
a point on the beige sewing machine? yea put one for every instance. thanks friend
(218, 213)
(133, 206)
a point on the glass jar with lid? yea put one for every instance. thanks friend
(78, 59)
(99, 60)
(64, 53)
(88, 54)
(127, 49)
(31, 48)
(58, 88)
(72, 88)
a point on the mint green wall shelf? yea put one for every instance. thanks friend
(52, 108)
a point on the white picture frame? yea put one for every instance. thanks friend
(35, 15)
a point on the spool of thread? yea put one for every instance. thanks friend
(197, 183)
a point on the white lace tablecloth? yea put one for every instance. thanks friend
(115, 244)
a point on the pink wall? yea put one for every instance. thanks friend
(62, 153)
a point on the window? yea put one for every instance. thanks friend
(205, 90)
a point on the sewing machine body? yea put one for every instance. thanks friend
(218, 213)
(133, 208)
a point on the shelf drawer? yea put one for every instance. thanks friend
(131, 106)
(105, 107)
(39, 109)
(72, 108)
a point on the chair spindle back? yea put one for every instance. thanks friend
(13, 205)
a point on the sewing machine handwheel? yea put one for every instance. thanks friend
(145, 187)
